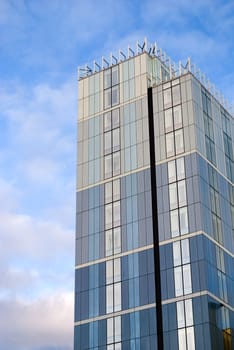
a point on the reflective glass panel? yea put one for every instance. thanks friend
(109, 272)
(171, 171)
(115, 75)
(174, 223)
(116, 190)
(115, 118)
(117, 270)
(178, 281)
(177, 117)
(183, 220)
(107, 121)
(117, 240)
(107, 98)
(188, 312)
(168, 120)
(115, 95)
(185, 251)
(107, 78)
(176, 94)
(116, 140)
(180, 168)
(108, 216)
(182, 339)
(117, 329)
(109, 299)
(173, 196)
(176, 253)
(179, 141)
(108, 242)
(108, 192)
(108, 166)
(187, 279)
(117, 288)
(167, 98)
(190, 338)
(116, 214)
(107, 138)
(182, 193)
(180, 314)
(110, 330)
(170, 144)
(116, 163)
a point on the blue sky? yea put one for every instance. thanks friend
(41, 45)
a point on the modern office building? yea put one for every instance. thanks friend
(155, 207)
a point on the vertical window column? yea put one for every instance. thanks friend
(182, 267)
(173, 120)
(177, 197)
(111, 143)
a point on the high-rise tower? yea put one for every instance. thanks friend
(155, 207)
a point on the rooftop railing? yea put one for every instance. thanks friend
(174, 69)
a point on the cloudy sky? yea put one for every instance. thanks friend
(41, 44)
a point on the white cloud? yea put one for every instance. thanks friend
(46, 323)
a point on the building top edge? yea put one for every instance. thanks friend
(175, 70)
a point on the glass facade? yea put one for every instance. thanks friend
(117, 288)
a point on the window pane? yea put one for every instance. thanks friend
(183, 220)
(116, 163)
(109, 272)
(107, 138)
(107, 78)
(179, 141)
(115, 95)
(118, 346)
(180, 168)
(116, 190)
(117, 240)
(108, 242)
(174, 223)
(190, 338)
(115, 118)
(185, 251)
(182, 339)
(170, 144)
(115, 75)
(107, 98)
(178, 281)
(167, 98)
(171, 171)
(189, 312)
(180, 314)
(187, 279)
(176, 254)
(109, 298)
(176, 94)
(168, 120)
(117, 329)
(177, 117)
(116, 140)
(117, 270)
(173, 196)
(107, 121)
(117, 288)
(110, 331)
(108, 216)
(116, 214)
(108, 166)
(108, 192)
(182, 193)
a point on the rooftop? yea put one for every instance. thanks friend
(175, 69)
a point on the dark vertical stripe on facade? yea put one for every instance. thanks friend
(155, 223)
